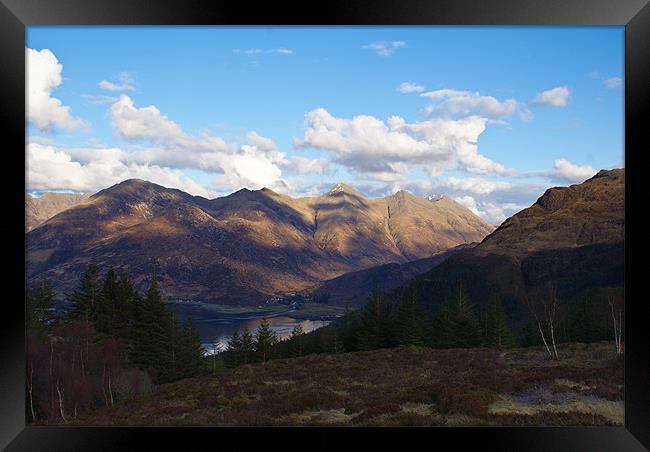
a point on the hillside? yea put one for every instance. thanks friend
(355, 287)
(42, 208)
(245, 247)
(571, 239)
(393, 387)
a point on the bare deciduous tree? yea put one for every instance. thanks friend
(616, 310)
(545, 311)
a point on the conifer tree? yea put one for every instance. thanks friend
(347, 332)
(151, 347)
(372, 332)
(125, 307)
(39, 308)
(455, 326)
(498, 332)
(86, 297)
(190, 357)
(337, 341)
(234, 350)
(247, 347)
(410, 320)
(265, 339)
(106, 312)
(296, 341)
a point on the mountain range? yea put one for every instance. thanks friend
(40, 209)
(245, 247)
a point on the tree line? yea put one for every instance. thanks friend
(402, 319)
(109, 342)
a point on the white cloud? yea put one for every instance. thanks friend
(304, 165)
(109, 86)
(476, 186)
(385, 48)
(255, 164)
(570, 172)
(282, 51)
(456, 103)
(410, 87)
(609, 82)
(43, 77)
(556, 97)
(469, 202)
(51, 168)
(493, 213)
(613, 82)
(257, 52)
(370, 146)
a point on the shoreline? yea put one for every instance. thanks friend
(310, 311)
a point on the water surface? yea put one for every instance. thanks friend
(218, 328)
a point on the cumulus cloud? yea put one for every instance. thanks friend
(43, 77)
(304, 165)
(491, 212)
(52, 168)
(573, 173)
(613, 82)
(385, 48)
(474, 185)
(254, 164)
(410, 87)
(556, 97)
(371, 146)
(457, 103)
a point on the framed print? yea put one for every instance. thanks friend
(387, 217)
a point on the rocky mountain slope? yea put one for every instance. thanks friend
(565, 217)
(571, 238)
(245, 247)
(42, 208)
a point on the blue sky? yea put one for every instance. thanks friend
(491, 116)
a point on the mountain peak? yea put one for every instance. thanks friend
(340, 187)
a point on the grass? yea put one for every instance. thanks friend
(406, 386)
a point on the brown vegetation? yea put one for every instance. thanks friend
(394, 387)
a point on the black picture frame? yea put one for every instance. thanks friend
(16, 15)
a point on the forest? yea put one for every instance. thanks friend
(109, 343)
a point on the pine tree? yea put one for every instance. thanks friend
(125, 308)
(234, 350)
(337, 342)
(372, 332)
(454, 326)
(106, 312)
(498, 332)
(153, 326)
(247, 347)
(39, 308)
(347, 332)
(296, 341)
(410, 320)
(190, 357)
(86, 297)
(265, 339)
